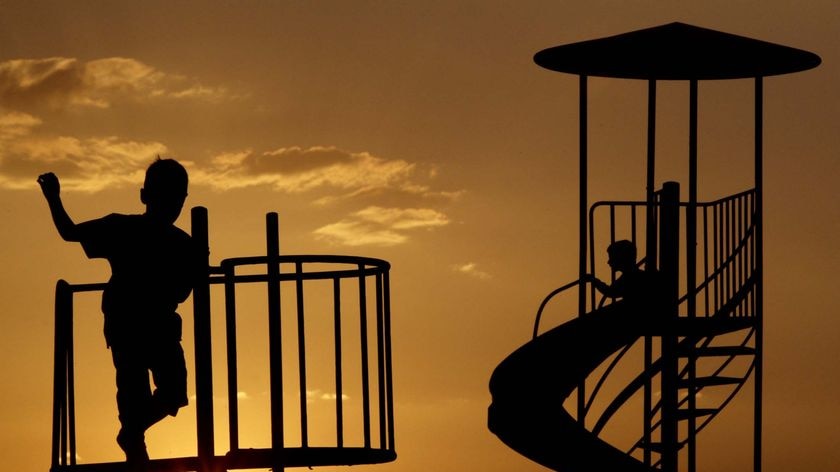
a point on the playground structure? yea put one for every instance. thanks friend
(358, 290)
(685, 367)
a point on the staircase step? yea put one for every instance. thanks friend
(719, 351)
(657, 447)
(686, 414)
(711, 381)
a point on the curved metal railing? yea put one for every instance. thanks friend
(727, 289)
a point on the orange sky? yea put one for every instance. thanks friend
(421, 133)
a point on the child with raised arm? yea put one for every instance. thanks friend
(154, 266)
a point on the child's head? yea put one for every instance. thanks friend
(164, 189)
(622, 255)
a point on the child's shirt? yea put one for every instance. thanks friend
(153, 269)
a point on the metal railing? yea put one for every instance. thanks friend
(726, 267)
(375, 318)
(285, 277)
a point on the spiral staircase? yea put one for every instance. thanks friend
(699, 348)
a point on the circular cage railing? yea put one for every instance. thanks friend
(366, 280)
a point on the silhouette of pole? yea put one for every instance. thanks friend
(203, 348)
(583, 119)
(651, 258)
(669, 266)
(275, 334)
(691, 267)
(759, 269)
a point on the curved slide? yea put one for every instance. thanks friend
(528, 389)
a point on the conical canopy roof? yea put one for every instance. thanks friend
(676, 51)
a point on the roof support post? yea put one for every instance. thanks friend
(651, 259)
(583, 119)
(759, 269)
(691, 267)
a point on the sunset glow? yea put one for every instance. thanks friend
(417, 132)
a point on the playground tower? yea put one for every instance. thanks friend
(554, 399)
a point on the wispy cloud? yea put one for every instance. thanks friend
(296, 169)
(471, 269)
(89, 164)
(380, 226)
(315, 395)
(60, 82)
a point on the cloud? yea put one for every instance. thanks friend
(296, 170)
(88, 165)
(58, 82)
(315, 395)
(380, 226)
(15, 124)
(471, 269)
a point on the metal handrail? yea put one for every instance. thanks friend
(545, 301)
(363, 268)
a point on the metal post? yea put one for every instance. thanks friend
(669, 247)
(203, 349)
(581, 400)
(691, 267)
(759, 269)
(650, 236)
(363, 331)
(650, 255)
(301, 333)
(275, 350)
(63, 311)
(233, 382)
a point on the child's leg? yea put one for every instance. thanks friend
(169, 372)
(134, 398)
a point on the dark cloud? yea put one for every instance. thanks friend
(28, 82)
(296, 160)
(60, 82)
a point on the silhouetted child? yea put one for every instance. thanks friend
(639, 290)
(153, 268)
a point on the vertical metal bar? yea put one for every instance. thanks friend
(650, 209)
(364, 354)
(759, 254)
(301, 334)
(633, 237)
(71, 383)
(741, 251)
(592, 293)
(59, 372)
(584, 205)
(647, 417)
(275, 332)
(730, 284)
(706, 260)
(203, 349)
(230, 333)
(716, 256)
(752, 251)
(691, 267)
(388, 360)
(669, 229)
(380, 359)
(339, 390)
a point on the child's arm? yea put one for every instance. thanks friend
(52, 192)
(603, 287)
